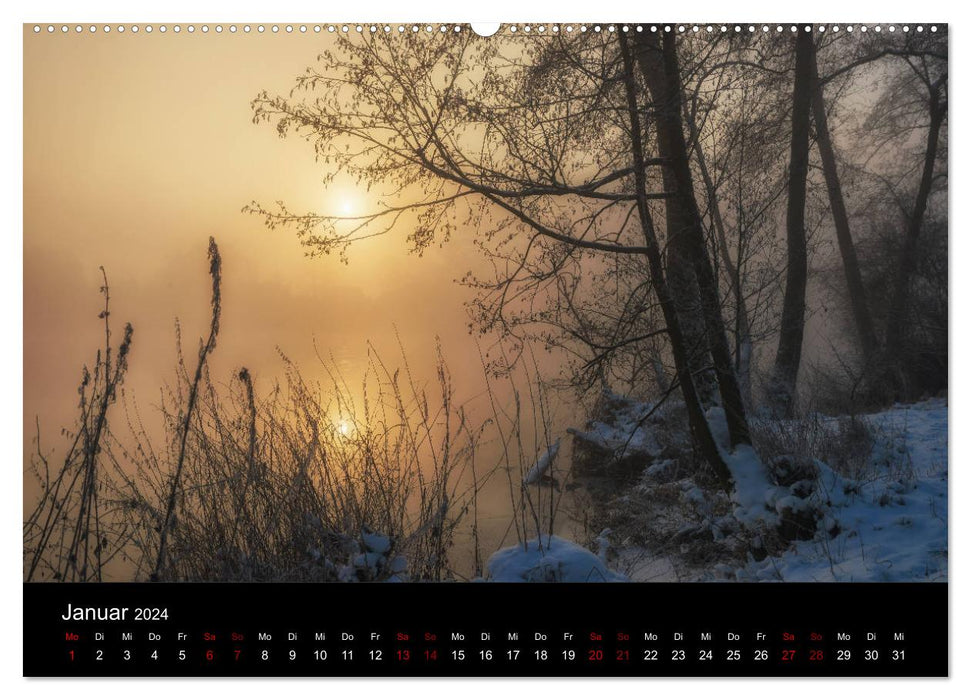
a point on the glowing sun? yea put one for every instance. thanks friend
(344, 202)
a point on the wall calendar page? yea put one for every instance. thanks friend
(423, 349)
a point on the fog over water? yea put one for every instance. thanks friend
(136, 150)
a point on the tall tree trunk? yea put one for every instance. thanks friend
(851, 265)
(896, 318)
(696, 416)
(659, 65)
(789, 352)
(687, 297)
(743, 337)
(681, 275)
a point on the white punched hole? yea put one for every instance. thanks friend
(485, 28)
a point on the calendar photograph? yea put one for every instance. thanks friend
(428, 303)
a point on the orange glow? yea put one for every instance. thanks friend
(136, 150)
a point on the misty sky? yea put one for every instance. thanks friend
(136, 150)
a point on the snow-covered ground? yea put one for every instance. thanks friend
(893, 521)
(882, 518)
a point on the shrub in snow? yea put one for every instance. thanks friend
(375, 562)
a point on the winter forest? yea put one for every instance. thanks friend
(676, 309)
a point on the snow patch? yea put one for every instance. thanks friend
(754, 491)
(549, 559)
(543, 464)
(376, 542)
(628, 428)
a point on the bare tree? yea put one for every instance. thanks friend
(851, 265)
(913, 70)
(937, 109)
(658, 60)
(516, 151)
(789, 350)
(529, 148)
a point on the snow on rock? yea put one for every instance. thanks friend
(371, 564)
(543, 464)
(622, 429)
(368, 560)
(375, 541)
(398, 565)
(549, 559)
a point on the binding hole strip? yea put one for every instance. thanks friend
(483, 30)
